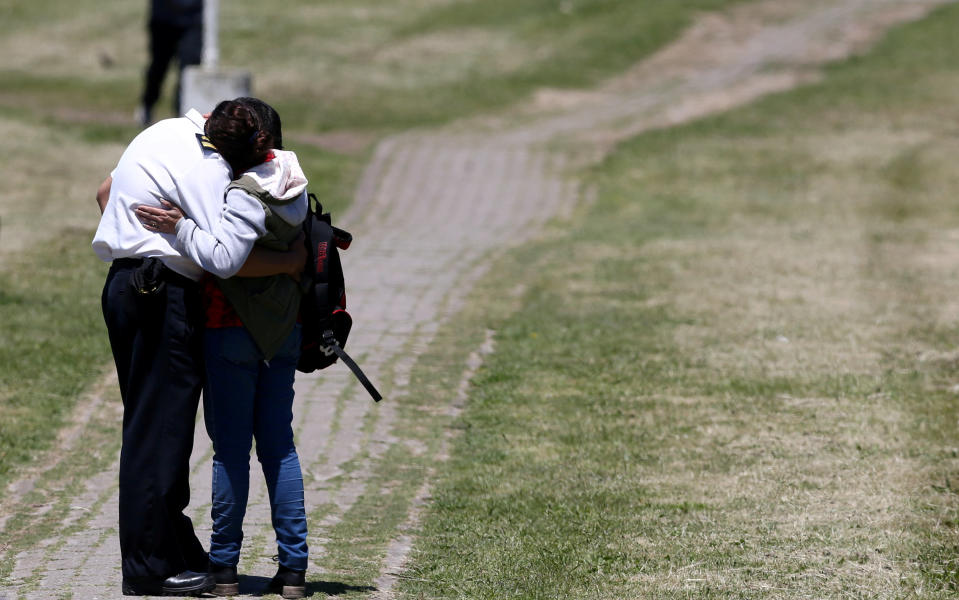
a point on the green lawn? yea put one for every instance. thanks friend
(736, 377)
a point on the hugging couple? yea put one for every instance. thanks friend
(201, 221)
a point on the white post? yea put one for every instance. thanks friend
(206, 84)
(211, 34)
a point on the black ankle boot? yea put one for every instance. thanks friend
(288, 583)
(226, 580)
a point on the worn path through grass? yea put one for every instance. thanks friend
(434, 209)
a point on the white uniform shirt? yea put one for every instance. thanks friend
(167, 162)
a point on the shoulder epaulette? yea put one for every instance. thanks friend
(205, 142)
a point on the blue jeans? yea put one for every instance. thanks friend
(244, 398)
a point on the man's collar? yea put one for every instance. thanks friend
(195, 116)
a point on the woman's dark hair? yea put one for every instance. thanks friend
(239, 135)
(269, 118)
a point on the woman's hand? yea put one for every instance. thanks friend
(159, 220)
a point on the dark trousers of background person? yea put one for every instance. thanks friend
(157, 346)
(167, 41)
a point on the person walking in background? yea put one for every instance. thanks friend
(175, 29)
(154, 316)
(251, 346)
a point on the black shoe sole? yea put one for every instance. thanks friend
(195, 590)
(159, 590)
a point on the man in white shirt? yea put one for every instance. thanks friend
(152, 307)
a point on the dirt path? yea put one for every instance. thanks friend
(432, 209)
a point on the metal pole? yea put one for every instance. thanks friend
(205, 85)
(211, 34)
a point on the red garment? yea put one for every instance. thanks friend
(218, 310)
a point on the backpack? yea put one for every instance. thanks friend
(324, 320)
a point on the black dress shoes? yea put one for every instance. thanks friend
(187, 583)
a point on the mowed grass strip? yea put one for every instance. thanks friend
(736, 378)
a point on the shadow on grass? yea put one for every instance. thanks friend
(255, 585)
(336, 588)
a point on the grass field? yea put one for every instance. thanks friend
(736, 377)
(733, 376)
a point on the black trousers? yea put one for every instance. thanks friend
(157, 346)
(166, 41)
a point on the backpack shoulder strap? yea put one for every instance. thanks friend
(330, 341)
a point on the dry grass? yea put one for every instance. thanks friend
(92, 43)
(833, 281)
(44, 197)
(738, 377)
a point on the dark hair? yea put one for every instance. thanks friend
(269, 118)
(238, 134)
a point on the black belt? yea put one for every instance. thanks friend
(166, 273)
